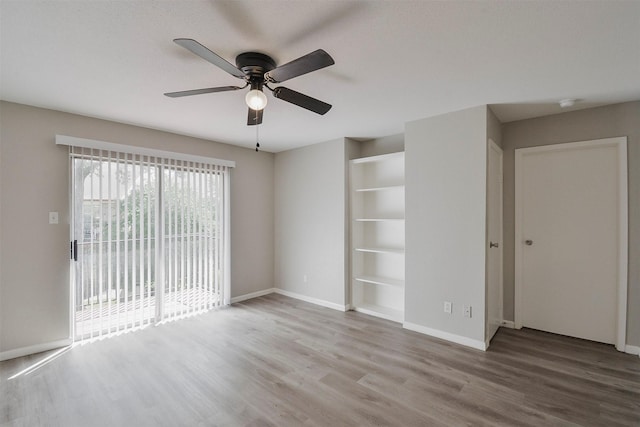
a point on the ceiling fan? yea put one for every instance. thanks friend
(258, 71)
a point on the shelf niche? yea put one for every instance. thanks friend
(377, 235)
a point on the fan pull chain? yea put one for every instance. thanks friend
(257, 132)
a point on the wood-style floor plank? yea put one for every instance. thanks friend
(276, 361)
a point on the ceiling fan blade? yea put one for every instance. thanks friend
(303, 65)
(301, 100)
(254, 117)
(207, 55)
(201, 91)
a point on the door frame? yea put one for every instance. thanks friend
(491, 145)
(621, 144)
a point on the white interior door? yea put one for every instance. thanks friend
(494, 239)
(571, 239)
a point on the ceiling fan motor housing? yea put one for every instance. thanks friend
(255, 64)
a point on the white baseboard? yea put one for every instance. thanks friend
(508, 324)
(32, 349)
(312, 300)
(458, 339)
(301, 297)
(632, 349)
(252, 295)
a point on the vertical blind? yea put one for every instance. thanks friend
(152, 239)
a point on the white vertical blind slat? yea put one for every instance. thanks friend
(109, 248)
(219, 236)
(192, 235)
(117, 243)
(134, 249)
(159, 244)
(126, 242)
(175, 255)
(92, 270)
(140, 242)
(207, 270)
(100, 247)
(182, 243)
(150, 254)
(216, 236)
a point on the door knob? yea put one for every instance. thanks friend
(493, 245)
(528, 242)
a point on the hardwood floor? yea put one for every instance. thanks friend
(276, 361)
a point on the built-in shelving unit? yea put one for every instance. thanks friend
(377, 235)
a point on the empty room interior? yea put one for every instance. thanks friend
(319, 213)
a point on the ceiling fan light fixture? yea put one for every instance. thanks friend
(256, 99)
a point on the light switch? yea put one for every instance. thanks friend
(53, 217)
(447, 307)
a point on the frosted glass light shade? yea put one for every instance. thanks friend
(256, 100)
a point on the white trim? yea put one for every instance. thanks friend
(32, 349)
(632, 349)
(458, 339)
(517, 276)
(72, 268)
(290, 294)
(623, 256)
(507, 324)
(312, 300)
(130, 149)
(623, 243)
(491, 145)
(381, 312)
(251, 295)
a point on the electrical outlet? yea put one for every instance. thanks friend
(447, 307)
(305, 279)
(466, 310)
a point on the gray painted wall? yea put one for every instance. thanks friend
(384, 145)
(311, 221)
(445, 178)
(595, 123)
(34, 279)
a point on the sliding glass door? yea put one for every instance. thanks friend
(148, 240)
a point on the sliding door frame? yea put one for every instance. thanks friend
(161, 160)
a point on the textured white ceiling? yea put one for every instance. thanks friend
(396, 61)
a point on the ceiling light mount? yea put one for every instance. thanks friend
(255, 64)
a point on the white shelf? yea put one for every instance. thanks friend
(380, 250)
(380, 158)
(383, 281)
(389, 187)
(378, 219)
(381, 311)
